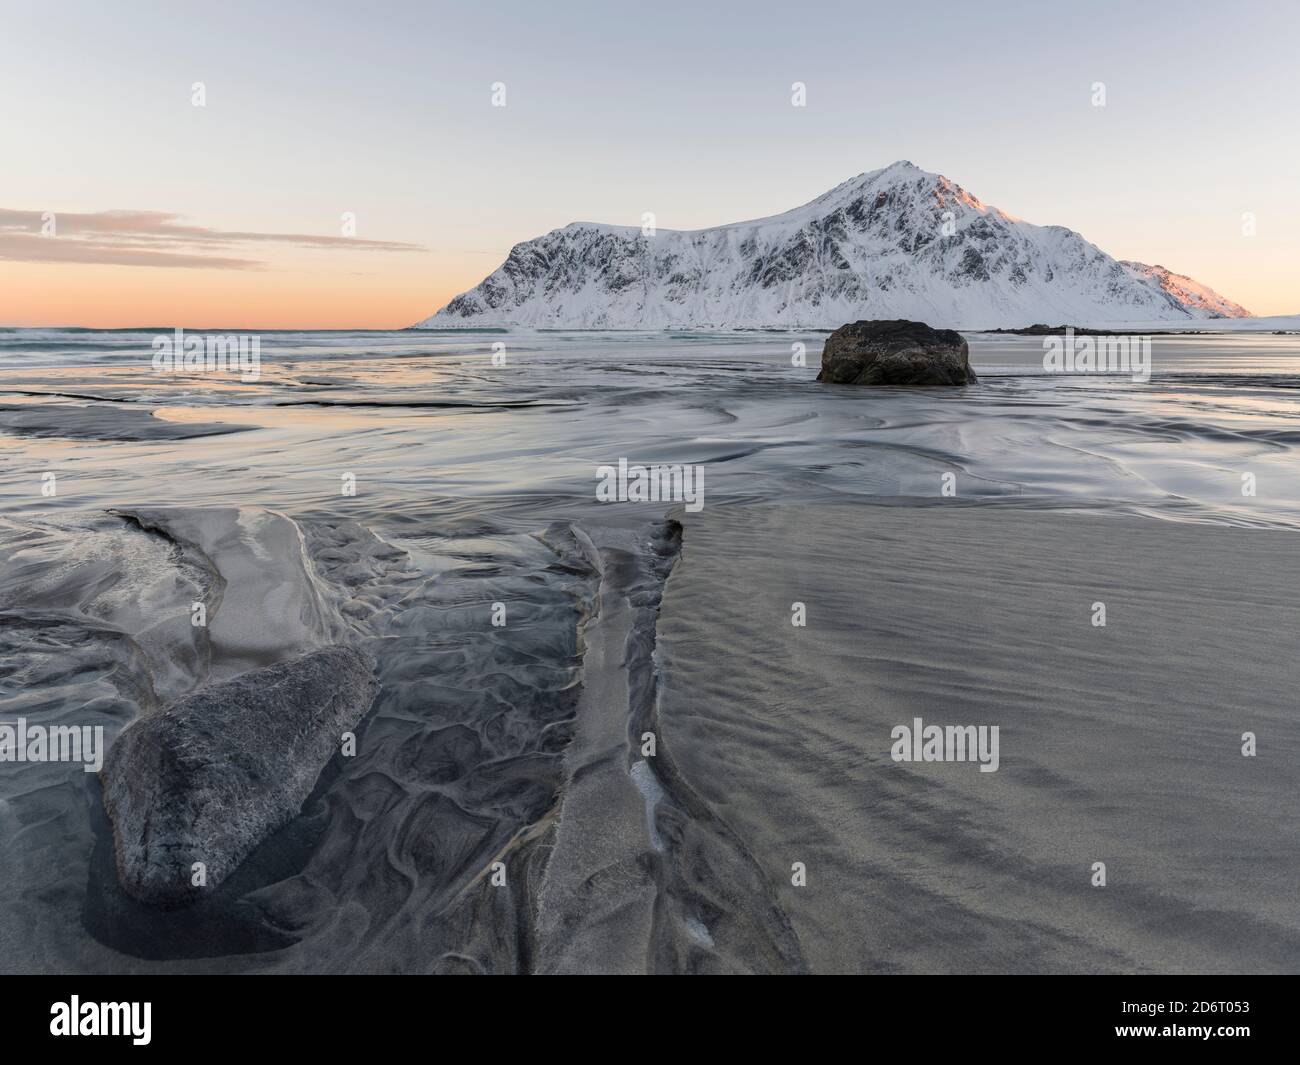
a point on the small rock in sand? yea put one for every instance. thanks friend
(212, 776)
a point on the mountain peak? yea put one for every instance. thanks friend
(901, 170)
(904, 165)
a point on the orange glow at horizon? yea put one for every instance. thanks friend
(117, 297)
(381, 292)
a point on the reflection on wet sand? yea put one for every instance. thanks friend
(502, 813)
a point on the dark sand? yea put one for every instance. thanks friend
(1119, 744)
(521, 744)
(101, 421)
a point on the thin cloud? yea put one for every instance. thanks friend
(154, 238)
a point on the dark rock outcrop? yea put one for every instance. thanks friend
(895, 352)
(212, 776)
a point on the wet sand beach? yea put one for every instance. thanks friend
(599, 743)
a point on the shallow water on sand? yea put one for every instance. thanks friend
(429, 419)
(475, 485)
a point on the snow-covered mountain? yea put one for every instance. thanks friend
(893, 243)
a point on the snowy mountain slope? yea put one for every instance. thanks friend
(893, 243)
(1189, 293)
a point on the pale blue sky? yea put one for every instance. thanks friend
(683, 109)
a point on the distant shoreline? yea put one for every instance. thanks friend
(1276, 325)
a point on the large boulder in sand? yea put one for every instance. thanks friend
(212, 776)
(895, 353)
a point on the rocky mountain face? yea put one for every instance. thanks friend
(893, 243)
